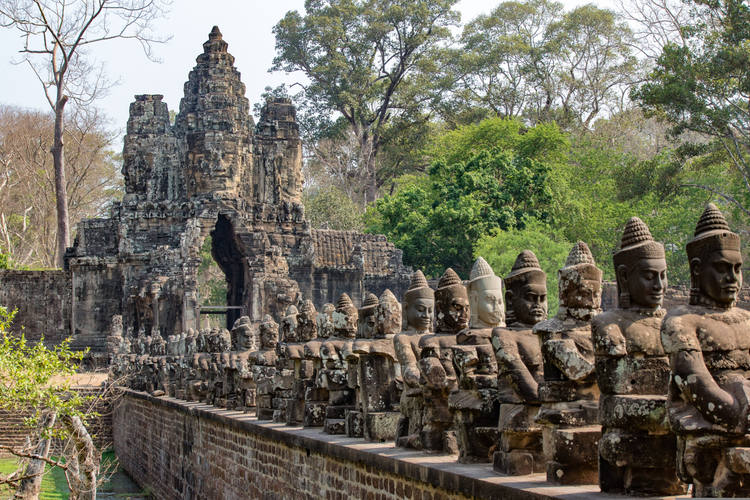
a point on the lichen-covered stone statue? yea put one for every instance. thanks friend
(316, 396)
(418, 314)
(520, 369)
(365, 332)
(291, 352)
(636, 450)
(475, 402)
(569, 394)
(438, 376)
(708, 343)
(307, 330)
(244, 385)
(378, 370)
(335, 375)
(263, 362)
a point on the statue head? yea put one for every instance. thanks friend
(387, 315)
(715, 261)
(345, 317)
(485, 296)
(580, 280)
(526, 290)
(289, 325)
(325, 320)
(307, 325)
(640, 267)
(419, 304)
(269, 333)
(243, 333)
(451, 303)
(366, 315)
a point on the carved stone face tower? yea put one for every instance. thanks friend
(214, 172)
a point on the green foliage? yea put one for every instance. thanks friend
(703, 86)
(212, 284)
(54, 484)
(4, 261)
(473, 188)
(501, 249)
(35, 377)
(331, 208)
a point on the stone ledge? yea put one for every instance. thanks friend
(439, 471)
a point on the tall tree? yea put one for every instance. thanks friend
(27, 179)
(368, 61)
(701, 83)
(57, 36)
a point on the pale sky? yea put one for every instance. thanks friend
(245, 24)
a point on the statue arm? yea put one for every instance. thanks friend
(432, 370)
(565, 355)
(407, 360)
(512, 366)
(695, 382)
(609, 340)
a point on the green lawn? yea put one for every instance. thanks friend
(55, 487)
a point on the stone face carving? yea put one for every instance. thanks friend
(569, 394)
(636, 450)
(520, 367)
(437, 374)
(708, 343)
(244, 385)
(418, 315)
(263, 367)
(474, 402)
(335, 374)
(378, 371)
(290, 353)
(366, 325)
(316, 395)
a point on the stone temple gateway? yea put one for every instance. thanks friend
(214, 172)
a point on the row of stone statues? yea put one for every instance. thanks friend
(640, 400)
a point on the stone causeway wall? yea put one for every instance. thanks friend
(185, 450)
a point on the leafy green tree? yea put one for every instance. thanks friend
(367, 63)
(330, 208)
(701, 83)
(472, 189)
(501, 248)
(530, 59)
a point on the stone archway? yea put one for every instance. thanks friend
(228, 256)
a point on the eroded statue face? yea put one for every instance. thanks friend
(582, 294)
(489, 304)
(367, 325)
(529, 302)
(455, 309)
(419, 314)
(269, 336)
(646, 282)
(720, 275)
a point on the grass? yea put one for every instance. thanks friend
(55, 487)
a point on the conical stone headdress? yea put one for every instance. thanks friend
(418, 288)
(449, 284)
(482, 273)
(525, 263)
(580, 262)
(370, 301)
(637, 243)
(712, 233)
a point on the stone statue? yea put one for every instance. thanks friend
(244, 385)
(636, 450)
(418, 313)
(708, 346)
(263, 367)
(378, 371)
(437, 374)
(569, 394)
(365, 332)
(335, 376)
(474, 402)
(316, 396)
(520, 369)
(304, 370)
(290, 352)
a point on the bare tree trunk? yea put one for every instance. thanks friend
(31, 485)
(61, 193)
(83, 465)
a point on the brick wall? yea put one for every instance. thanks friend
(189, 450)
